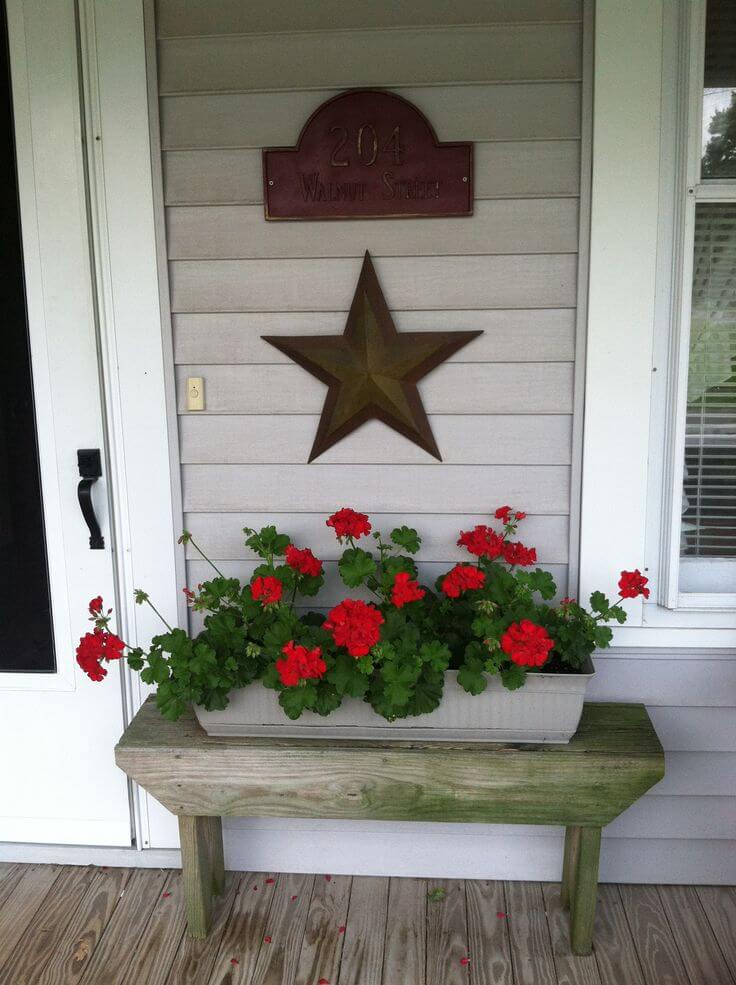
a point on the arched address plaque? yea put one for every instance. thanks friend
(368, 154)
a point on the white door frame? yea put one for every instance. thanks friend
(136, 356)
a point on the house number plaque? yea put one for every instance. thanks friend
(368, 154)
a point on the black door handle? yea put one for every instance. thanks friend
(90, 469)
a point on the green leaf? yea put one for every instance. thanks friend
(513, 677)
(436, 655)
(347, 677)
(327, 700)
(407, 538)
(599, 603)
(355, 566)
(427, 693)
(436, 895)
(295, 700)
(471, 679)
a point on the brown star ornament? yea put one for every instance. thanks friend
(372, 370)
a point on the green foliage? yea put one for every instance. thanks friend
(242, 640)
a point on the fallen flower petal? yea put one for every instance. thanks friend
(323, 981)
(270, 882)
(500, 915)
(293, 898)
(464, 961)
(165, 895)
(328, 878)
(234, 961)
(267, 939)
(341, 930)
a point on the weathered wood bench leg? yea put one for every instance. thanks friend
(569, 865)
(217, 858)
(199, 866)
(585, 892)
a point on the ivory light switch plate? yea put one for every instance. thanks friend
(195, 393)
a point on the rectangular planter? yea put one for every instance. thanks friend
(546, 709)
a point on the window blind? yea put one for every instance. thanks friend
(709, 505)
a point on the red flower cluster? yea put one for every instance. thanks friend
(300, 664)
(94, 648)
(462, 578)
(516, 553)
(348, 523)
(482, 541)
(505, 513)
(267, 590)
(303, 561)
(354, 625)
(526, 643)
(405, 589)
(633, 584)
(95, 606)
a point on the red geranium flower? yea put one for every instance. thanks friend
(462, 578)
(94, 648)
(95, 606)
(267, 590)
(300, 664)
(503, 513)
(481, 541)
(348, 523)
(354, 625)
(303, 561)
(526, 643)
(516, 553)
(405, 590)
(633, 584)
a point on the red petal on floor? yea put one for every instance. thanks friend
(341, 930)
(328, 878)
(323, 981)
(293, 898)
(165, 895)
(270, 882)
(500, 915)
(267, 939)
(234, 961)
(464, 961)
(255, 888)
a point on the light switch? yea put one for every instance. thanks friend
(195, 393)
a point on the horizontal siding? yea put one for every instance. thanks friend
(698, 774)
(402, 488)
(222, 537)
(516, 169)
(677, 817)
(546, 281)
(494, 388)
(504, 226)
(344, 59)
(334, 590)
(523, 111)
(684, 729)
(699, 683)
(177, 18)
(462, 440)
(534, 335)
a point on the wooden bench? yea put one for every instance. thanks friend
(611, 761)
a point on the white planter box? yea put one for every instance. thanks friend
(546, 709)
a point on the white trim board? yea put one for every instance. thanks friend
(528, 857)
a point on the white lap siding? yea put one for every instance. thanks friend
(234, 77)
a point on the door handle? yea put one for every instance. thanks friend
(90, 469)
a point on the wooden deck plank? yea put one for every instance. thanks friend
(658, 954)
(70, 958)
(365, 936)
(405, 951)
(161, 937)
(488, 933)
(244, 931)
(194, 960)
(531, 949)
(613, 945)
(719, 903)
(44, 932)
(324, 933)
(20, 906)
(699, 950)
(571, 969)
(281, 943)
(448, 955)
(108, 962)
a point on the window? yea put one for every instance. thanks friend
(702, 555)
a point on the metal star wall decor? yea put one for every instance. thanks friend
(372, 370)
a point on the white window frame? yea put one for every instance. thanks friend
(682, 190)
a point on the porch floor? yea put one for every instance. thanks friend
(107, 926)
